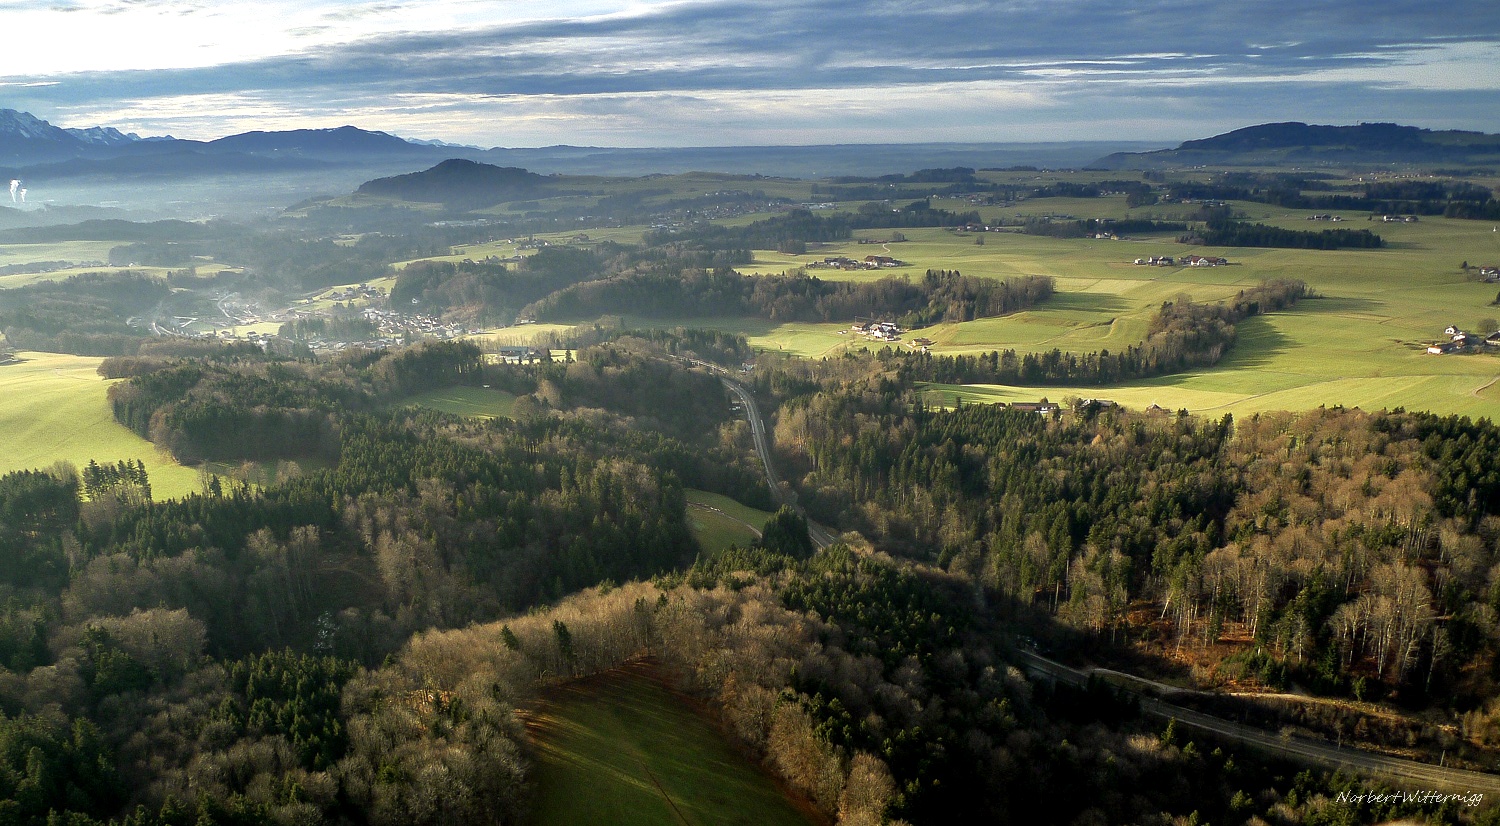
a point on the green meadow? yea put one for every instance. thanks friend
(623, 750)
(718, 521)
(53, 408)
(475, 402)
(1360, 343)
(56, 251)
(74, 251)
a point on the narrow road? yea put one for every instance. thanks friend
(821, 536)
(1318, 753)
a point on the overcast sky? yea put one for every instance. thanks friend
(735, 72)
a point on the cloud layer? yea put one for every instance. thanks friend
(704, 72)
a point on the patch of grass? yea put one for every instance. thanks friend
(475, 402)
(58, 251)
(743, 513)
(265, 474)
(715, 531)
(623, 750)
(519, 335)
(718, 521)
(53, 408)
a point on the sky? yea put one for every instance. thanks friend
(522, 73)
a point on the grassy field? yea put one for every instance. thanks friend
(621, 749)
(56, 251)
(1360, 344)
(477, 402)
(519, 335)
(718, 521)
(53, 408)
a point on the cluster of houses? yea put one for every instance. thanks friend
(1185, 261)
(682, 218)
(1204, 261)
(1323, 216)
(1398, 219)
(1489, 274)
(878, 330)
(870, 262)
(1047, 408)
(980, 228)
(520, 354)
(351, 293)
(398, 325)
(1459, 341)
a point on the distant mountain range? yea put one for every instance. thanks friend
(23, 129)
(1281, 144)
(32, 147)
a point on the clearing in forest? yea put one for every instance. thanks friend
(622, 749)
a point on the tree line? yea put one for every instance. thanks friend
(1221, 232)
(940, 295)
(1183, 334)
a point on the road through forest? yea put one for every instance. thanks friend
(1313, 752)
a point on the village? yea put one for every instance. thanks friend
(357, 307)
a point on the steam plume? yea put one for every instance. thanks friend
(14, 187)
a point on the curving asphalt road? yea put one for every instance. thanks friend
(821, 536)
(1318, 753)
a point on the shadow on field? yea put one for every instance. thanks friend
(1257, 346)
(1085, 303)
(1339, 304)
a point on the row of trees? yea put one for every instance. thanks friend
(940, 295)
(1225, 233)
(1290, 190)
(1091, 226)
(1183, 334)
(803, 226)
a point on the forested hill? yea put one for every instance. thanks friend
(1300, 143)
(459, 182)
